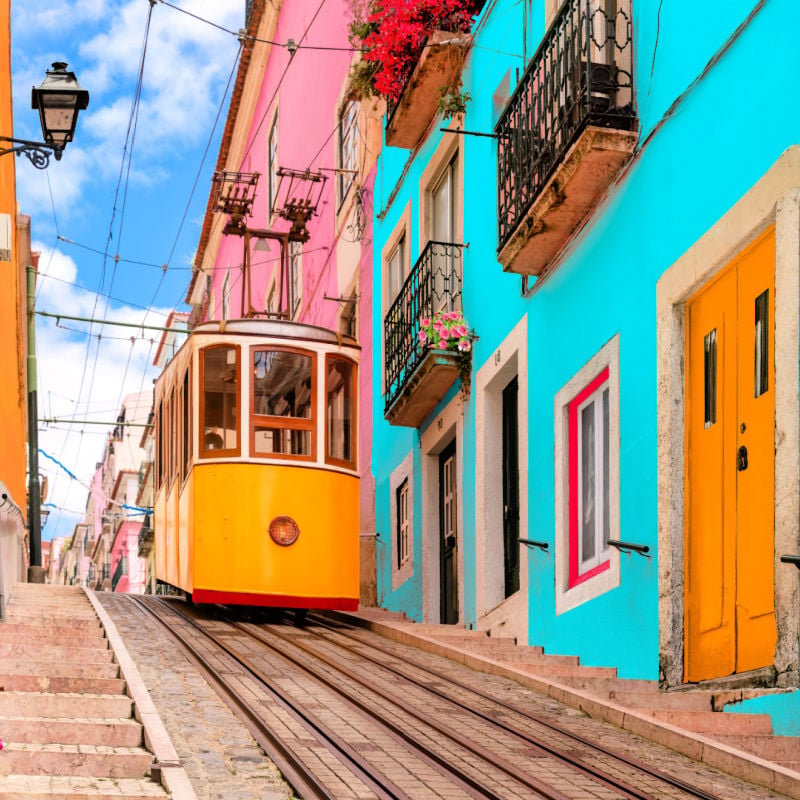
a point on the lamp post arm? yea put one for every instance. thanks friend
(38, 153)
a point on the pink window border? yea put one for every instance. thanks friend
(576, 578)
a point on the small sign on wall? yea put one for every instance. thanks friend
(5, 237)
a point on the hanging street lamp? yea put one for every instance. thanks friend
(58, 100)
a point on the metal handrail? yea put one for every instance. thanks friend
(433, 284)
(581, 74)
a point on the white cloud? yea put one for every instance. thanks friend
(83, 378)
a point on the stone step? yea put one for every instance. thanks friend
(44, 652)
(679, 701)
(61, 669)
(602, 686)
(67, 626)
(770, 748)
(521, 655)
(61, 683)
(558, 671)
(43, 787)
(47, 704)
(74, 760)
(711, 722)
(34, 638)
(53, 730)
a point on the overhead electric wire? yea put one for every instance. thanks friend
(242, 34)
(199, 172)
(268, 107)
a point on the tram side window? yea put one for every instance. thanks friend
(220, 396)
(186, 401)
(340, 408)
(159, 445)
(283, 403)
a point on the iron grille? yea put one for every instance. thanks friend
(122, 569)
(145, 532)
(434, 284)
(582, 74)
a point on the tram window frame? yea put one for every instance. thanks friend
(284, 423)
(205, 452)
(168, 464)
(186, 427)
(351, 464)
(159, 443)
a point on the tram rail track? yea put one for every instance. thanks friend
(362, 694)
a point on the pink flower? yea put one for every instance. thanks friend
(444, 333)
(461, 330)
(443, 344)
(423, 337)
(425, 321)
(465, 345)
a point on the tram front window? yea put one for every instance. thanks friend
(283, 403)
(220, 399)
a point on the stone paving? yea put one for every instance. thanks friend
(220, 757)
(223, 761)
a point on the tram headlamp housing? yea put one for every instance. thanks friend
(283, 531)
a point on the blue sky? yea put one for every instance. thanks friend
(97, 198)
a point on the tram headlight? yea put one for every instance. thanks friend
(283, 531)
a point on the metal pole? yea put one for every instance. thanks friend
(36, 573)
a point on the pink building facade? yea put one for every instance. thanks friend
(291, 121)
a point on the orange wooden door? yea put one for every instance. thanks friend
(730, 465)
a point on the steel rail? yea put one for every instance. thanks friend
(302, 779)
(487, 756)
(470, 786)
(631, 762)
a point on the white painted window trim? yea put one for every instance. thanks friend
(568, 597)
(404, 472)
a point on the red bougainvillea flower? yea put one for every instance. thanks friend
(400, 29)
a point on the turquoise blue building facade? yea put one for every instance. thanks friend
(575, 427)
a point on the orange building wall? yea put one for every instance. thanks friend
(13, 401)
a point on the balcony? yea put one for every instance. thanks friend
(439, 63)
(119, 573)
(146, 537)
(417, 378)
(567, 131)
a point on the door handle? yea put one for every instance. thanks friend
(741, 459)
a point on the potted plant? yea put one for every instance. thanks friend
(448, 330)
(409, 45)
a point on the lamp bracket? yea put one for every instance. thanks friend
(38, 153)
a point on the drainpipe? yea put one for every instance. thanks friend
(36, 573)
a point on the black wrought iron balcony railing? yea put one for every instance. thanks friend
(119, 572)
(582, 74)
(146, 534)
(434, 284)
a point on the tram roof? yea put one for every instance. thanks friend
(274, 328)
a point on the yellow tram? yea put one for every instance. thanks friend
(257, 488)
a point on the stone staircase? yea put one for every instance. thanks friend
(66, 719)
(689, 721)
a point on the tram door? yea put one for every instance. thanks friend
(730, 466)
(448, 539)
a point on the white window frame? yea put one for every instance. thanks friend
(295, 278)
(586, 588)
(272, 164)
(226, 295)
(347, 150)
(403, 523)
(402, 474)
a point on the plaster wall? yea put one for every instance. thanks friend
(692, 165)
